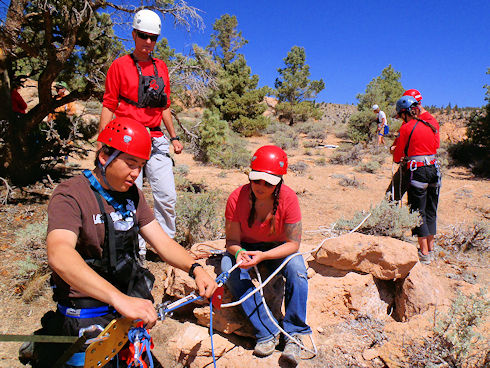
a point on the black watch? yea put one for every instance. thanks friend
(176, 138)
(191, 270)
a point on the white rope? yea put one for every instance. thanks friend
(262, 285)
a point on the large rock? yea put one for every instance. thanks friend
(419, 291)
(191, 346)
(383, 257)
(338, 294)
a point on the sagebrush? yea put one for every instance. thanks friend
(198, 218)
(456, 341)
(386, 219)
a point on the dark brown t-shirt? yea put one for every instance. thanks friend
(73, 206)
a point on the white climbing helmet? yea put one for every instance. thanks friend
(375, 107)
(147, 21)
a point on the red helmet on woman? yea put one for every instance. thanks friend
(414, 93)
(271, 161)
(127, 135)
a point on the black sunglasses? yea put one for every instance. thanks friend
(266, 183)
(145, 36)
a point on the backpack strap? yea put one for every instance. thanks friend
(426, 123)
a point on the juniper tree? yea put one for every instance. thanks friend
(384, 91)
(294, 90)
(53, 40)
(236, 96)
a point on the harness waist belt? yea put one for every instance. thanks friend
(85, 312)
(421, 158)
(413, 162)
(155, 129)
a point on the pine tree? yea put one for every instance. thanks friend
(236, 96)
(295, 90)
(383, 91)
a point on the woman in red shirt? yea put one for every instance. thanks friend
(263, 225)
(416, 147)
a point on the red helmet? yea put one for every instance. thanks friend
(270, 159)
(414, 93)
(127, 135)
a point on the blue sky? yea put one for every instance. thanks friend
(441, 48)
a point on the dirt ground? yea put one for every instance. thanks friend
(323, 201)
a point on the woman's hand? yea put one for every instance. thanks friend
(251, 258)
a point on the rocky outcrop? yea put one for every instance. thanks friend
(419, 291)
(383, 257)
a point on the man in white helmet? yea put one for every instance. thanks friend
(382, 128)
(137, 87)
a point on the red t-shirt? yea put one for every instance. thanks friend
(122, 79)
(238, 208)
(18, 103)
(423, 141)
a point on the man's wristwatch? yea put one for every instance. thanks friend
(176, 138)
(191, 270)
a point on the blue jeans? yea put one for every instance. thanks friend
(296, 294)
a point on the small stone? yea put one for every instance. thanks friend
(320, 330)
(370, 354)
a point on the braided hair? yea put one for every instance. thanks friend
(270, 217)
(413, 113)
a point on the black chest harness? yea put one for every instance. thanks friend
(118, 263)
(151, 89)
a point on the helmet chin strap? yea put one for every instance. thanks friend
(103, 168)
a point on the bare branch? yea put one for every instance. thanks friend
(6, 197)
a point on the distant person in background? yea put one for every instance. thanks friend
(382, 128)
(416, 149)
(401, 180)
(19, 106)
(69, 109)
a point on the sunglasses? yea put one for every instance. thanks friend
(145, 36)
(259, 181)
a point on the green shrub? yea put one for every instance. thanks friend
(181, 170)
(313, 130)
(368, 166)
(248, 127)
(276, 126)
(285, 139)
(298, 168)
(220, 146)
(386, 219)
(345, 181)
(233, 155)
(198, 218)
(454, 342)
(362, 126)
(470, 155)
(321, 161)
(347, 154)
(309, 144)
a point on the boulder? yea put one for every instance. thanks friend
(192, 346)
(419, 291)
(334, 295)
(383, 257)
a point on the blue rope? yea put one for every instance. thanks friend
(140, 334)
(211, 332)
